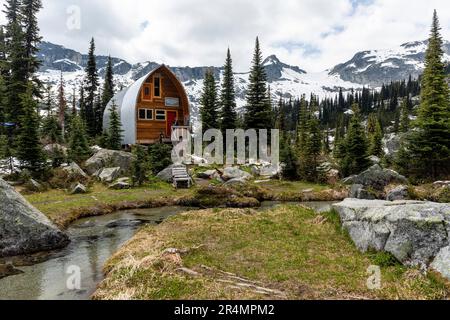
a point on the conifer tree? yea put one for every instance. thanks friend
(139, 166)
(91, 84)
(115, 129)
(108, 86)
(82, 104)
(78, 142)
(313, 149)
(355, 158)
(404, 118)
(228, 115)
(17, 80)
(51, 130)
(428, 146)
(376, 142)
(62, 105)
(98, 114)
(209, 110)
(29, 148)
(302, 126)
(258, 112)
(288, 158)
(29, 11)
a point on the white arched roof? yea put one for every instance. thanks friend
(125, 101)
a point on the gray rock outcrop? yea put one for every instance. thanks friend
(74, 169)
(398, 193)
(108, 175)
(414, 232)
(108, 159)
(231, 173)
(24, 229)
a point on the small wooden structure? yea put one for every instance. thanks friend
(151, 108)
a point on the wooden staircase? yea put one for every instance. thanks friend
(181, 178)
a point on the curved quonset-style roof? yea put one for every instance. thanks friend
(126, 101)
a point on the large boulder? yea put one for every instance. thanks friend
(24, 229)
(231, 173)
(209, 174)
(398, 193)
(441, 263)
(414, 232)
(108, 175)
(166, 174)
(104, 158)
(357, 191)
(377, 178)
(74, 169)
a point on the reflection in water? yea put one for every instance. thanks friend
(93, 242)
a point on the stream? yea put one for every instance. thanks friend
(94, 241)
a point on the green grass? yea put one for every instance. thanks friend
(286, 248)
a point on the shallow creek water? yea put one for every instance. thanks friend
(94, 240)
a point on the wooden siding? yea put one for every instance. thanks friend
(149, 131)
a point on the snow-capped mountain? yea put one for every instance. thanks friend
(284, 80)
(367, 68)
(376, 67)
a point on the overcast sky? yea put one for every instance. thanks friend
(313, 34)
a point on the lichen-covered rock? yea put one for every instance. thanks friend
(441, 263)
(376, 177)
(209, 174)
(235, 173)
(104, 158)
(24, 229)
(108, 175)
(78, 189)
(398, 193)
(74, 169)
(413, 231)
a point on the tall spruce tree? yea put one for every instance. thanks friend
(258, 111)
(29, 10)
(91, 84)
(78, 142)
(108, 86)
(209, 110)
(376, 141)
(313, 149)
(228, 115)
(404, 118)
(428, 147)
(17, 79)
(355, 158)
(29, 148)
(62, 105)
(115, 129)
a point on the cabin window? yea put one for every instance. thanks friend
(147, 92)
(157, 86)
(145, 114)
(160, 115)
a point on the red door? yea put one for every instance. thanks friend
(171, 119)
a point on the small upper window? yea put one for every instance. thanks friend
(147, 93)
(157, 86)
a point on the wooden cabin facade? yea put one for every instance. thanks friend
(151, 108)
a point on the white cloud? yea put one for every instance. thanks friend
(314, 34)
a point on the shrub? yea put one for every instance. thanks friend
(159, 157)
